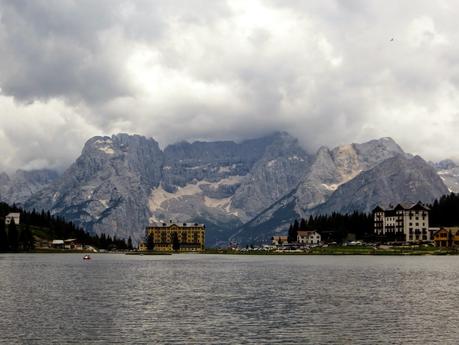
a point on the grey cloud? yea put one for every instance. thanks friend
(327, 71)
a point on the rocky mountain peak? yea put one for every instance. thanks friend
(397, 179)
(24, 183)
(121, 182)
(445, 164)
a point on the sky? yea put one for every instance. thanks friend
(328, 72)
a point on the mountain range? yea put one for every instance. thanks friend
(244, 192)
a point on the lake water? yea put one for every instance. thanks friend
(219, 299)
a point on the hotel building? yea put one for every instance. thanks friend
(191, 236)
(408, 223)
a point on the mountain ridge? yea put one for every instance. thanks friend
(122, 182)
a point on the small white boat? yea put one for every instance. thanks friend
(86, 257)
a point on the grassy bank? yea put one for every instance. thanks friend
(148, 253)
(345, 250)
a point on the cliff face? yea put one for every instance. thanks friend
(121, 183)
(349, 178)
(107, 188)
(395, 179)
(245, 191)
(20, 186)
(449, 173)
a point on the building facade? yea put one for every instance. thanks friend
(13, 216)
(189, 237)
(446, 237)
(279, 240)
(308, 237)
(408, 223)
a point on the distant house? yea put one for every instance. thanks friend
(72, 243)
(308, 237)
(404, 222)
(278, 240)
(446, 237)
(13, 216)
(58, 244)
(142, 247)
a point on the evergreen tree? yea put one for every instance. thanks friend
(150, 242)
(303, 225)
(295, 229)
(13, 236)
(290, 235)
(26, 241)
(3, 237)
(175, 242)
(129, 243)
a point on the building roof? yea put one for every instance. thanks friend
(182, 225)
(451, 230)
(14, 214)
(304, 233)
(58, 242)
(378, 209)
(403, 206)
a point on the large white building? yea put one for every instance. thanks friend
(409, 223)
(13, 216)
(308, 237)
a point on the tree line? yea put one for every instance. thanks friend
(445, 211)
(15, 237)
(336, 227)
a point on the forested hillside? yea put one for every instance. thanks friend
(36, 226)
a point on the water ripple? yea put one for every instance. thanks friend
(215, 299)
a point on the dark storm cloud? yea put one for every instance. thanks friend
(328, 71)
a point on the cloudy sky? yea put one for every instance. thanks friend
(327, 71)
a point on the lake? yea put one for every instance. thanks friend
(228, 299)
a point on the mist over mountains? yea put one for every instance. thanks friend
(243, 191)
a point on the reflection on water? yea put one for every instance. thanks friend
(197, 299)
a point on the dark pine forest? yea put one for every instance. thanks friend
(337, 227)
(43, 225)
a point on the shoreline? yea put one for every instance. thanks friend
(251, 254)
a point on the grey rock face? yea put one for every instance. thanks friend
(225, 182)
(329, 170)
(445, 164)
(107, 188)
(121, 183)
(212, 161)
(247, 190)
(277, 173)
(449, 173)
(23, 184)
(333, 168)
(398, 179)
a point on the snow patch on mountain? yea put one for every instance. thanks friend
(161, 199)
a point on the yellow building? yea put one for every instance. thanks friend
(446, 237)
(190, 237)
